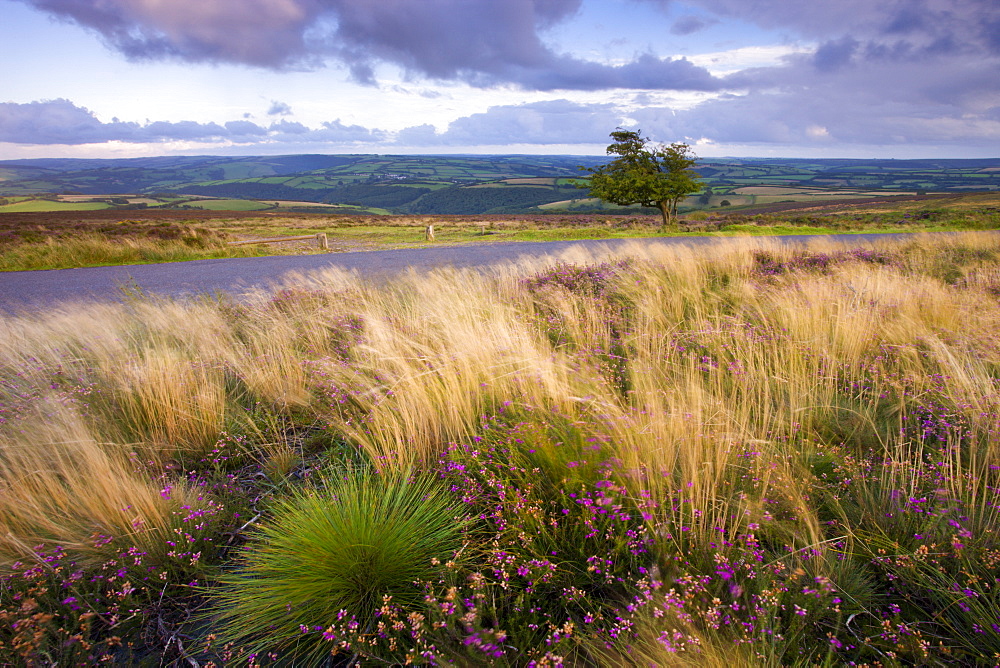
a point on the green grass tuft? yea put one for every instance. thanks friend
(333, 552)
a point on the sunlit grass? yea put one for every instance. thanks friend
(754, 454)
(61, 486)
(93, 250)
(138, 241)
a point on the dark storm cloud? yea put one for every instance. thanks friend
(482, 42)
(934, 26)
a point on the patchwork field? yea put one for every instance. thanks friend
(463, 185)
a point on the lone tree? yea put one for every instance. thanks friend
(656, 176)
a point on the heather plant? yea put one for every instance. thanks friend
(758, 454)
(553, 551)
(565, 541)
(59, 613)
(925, 524)
(94, 544)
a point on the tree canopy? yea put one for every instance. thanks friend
(656, 176)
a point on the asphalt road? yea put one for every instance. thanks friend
(34, 290)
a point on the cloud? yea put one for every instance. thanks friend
(419, 135)
(872, 73)
(834, 110)
(284, 127)
(244, 129)
(808, 112)
(279, 109)
(338, 133)
(550, 122)
(57, 122)
(920, 72)
(913, 26)
(690, 24)
(645, 72)
(784, 117)
(864, 91)
(834, 55)
(266, 33)
(181, 130)
(915, 51)
(62, 122)
(481, 42)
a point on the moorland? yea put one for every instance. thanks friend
(57, 213)
(62, 239)
(754, 454)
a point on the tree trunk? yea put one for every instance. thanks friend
(668, 220)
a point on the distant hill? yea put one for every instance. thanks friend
(469, 184)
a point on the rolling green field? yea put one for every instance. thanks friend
(37, 205)
(440, 185)
(228, 205)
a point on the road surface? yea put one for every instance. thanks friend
(33, 290)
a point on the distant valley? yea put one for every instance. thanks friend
(441, 185)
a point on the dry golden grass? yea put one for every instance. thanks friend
(734, 383)
(439, 351)
(59, 485)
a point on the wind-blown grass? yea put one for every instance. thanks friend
(61, 486)
(757, 455)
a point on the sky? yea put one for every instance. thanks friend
(754, 78)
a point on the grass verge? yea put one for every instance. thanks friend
(67, 242)
(95, 250)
